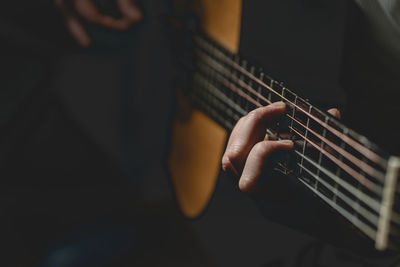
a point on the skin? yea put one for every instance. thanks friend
(85, 10)
(247, 152)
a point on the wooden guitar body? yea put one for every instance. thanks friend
(197, 143)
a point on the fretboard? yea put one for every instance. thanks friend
(340, 166)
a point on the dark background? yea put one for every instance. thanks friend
(84, 135)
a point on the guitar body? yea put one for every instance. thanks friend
(198, 142)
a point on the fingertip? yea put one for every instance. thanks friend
(335, 113)
(228, 166)
(244, 185)
(278, 105)
(224, 162)
(286, 143)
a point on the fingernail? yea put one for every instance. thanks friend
(286, 142)
(279, 104)
(243, 184)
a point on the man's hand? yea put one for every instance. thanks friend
(86, 10)
(247, 152)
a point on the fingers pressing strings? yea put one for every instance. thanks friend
(257, 159)
(247, 150)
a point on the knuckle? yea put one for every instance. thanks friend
(232, 153)
(261, 148)
(254, 115)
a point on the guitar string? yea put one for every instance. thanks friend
(371, 155)
(224, 81)
(370, 202)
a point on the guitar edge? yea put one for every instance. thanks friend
(197, 144)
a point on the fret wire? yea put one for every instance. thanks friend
(305, 139)
(372, 218)
(357, 205)
(250, 84)
(269, 91)
(241, 78)
(367, 183)
(368, 153)
(322, 144)
(293, 115)
(259, 88)
(342, 146)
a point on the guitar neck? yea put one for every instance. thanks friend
(340, 166)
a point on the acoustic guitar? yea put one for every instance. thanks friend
(339, 166)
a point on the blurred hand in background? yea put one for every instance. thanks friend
(79, 12)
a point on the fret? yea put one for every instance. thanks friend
(289, 95)
(271, 84)
(242, 81)
(277, 87)
(320, 153)
(357, 204)
(339, 170)
(233, 77)
(259, 87)
(293, 115)
(305, 142)
(283, 93)
(250, 84)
